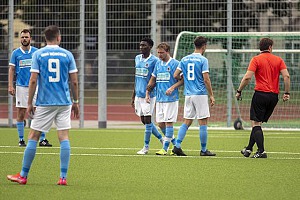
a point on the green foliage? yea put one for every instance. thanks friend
(104, 165)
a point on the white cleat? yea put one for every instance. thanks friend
(143, 151)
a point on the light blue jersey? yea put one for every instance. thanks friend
(22, 60)
(165, 79)
(54, 64)
(143, 70)
(193, 66)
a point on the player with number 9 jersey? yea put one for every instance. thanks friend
(53, 64)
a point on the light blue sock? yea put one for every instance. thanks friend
(181, 134)
(163, 130)
(155, 132)
(20, 129)
(148, 131)
(203, 137)
(169, 135)
(65, 150)
(43, 136)
(28, 157)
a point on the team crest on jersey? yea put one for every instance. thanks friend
(168, 69)
(146, 65)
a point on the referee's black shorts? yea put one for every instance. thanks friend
(262, 106)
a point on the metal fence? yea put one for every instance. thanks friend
(104, 37)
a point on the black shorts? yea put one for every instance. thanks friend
(262, 106)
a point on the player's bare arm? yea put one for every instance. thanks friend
(31, 91)
(177, 75)
(173, 87)
(207, 83)
(74, 88)
(11, 74)
(244, 82)
(286, 79)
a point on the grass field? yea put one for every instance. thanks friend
(104, 165)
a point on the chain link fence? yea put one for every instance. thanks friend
(127, 22)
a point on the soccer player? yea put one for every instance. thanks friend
(266, 67)
(19, 65)
(144, 65)
(167, 94)
(52, 67)
(197, 87)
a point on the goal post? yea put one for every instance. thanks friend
(229, 55)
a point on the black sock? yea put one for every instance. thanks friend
(259, 138)
(251, 140)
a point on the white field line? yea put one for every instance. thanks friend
(150, 156)
(134, 149)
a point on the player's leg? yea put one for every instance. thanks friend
(189, 114)
(65, 152)
(20, 125)
(28, 158)
(21, 105)
(43, 141)
(203, 138)
(63, 124)
(155, 132)
(201, 105)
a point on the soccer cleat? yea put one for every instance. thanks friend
(143, 151)
(17, 178)
(178, 151)
(45, 143)
(62, 181)
(260, 155)
(207, 153)
(22, 143)
(161, 152)
(246, 152)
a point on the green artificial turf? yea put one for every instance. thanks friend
(104, 165)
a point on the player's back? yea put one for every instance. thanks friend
(53, 64)
(193, 66)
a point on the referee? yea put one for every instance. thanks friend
(266, 68)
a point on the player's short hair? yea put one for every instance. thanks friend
(51, 32)
(265, 43)
(165, 46)
(25, 30)
(149, 41)
(200, 41)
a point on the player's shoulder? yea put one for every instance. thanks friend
(33, 49)
(17, 51)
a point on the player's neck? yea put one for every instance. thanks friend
(146, 55)
(25, 48)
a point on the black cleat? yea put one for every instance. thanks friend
(260, 155)
(45, 143)
(22, 143)
(246, 152)
(207, 153)
(178, 151)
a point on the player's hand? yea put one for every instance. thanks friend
(169, 91)
(147, 98)
(238, 96)
(285, 97)
(212, 101)
(11, 90)
(75, 110)
(30, 111)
